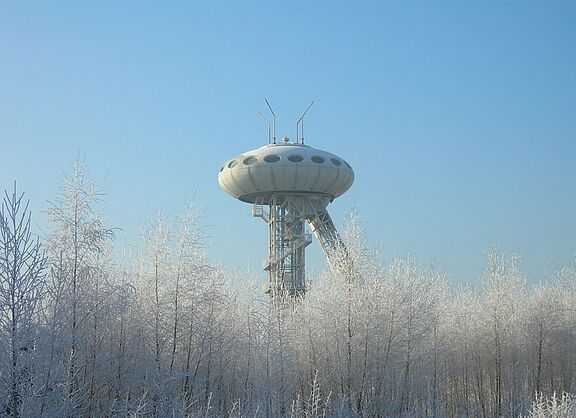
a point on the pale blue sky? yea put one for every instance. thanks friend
(458, 118)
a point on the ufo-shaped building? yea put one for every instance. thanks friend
(289, 184)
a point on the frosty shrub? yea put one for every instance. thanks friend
(553, 407)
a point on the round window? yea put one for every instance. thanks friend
(272, 158)
(232, 163)
(335, 161)
(295, 158)
(348, 165)
(250, 160)
(317, 159)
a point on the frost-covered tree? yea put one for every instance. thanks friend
(22, 285)
(553, 406)
(187, 316)
(501, 321)
(543, 322)
(78, 248)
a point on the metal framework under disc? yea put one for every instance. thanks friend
(286, 219)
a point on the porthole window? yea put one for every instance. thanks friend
(250, 160)
(232, 163)
(335, 161)
(222, 169)
(295, 158)
(317, 159)
(347, 165)
(272, 158)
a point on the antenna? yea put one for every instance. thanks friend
(301, 121)
(269, 128)
(273, 121)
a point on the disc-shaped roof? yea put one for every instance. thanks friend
(285, 168)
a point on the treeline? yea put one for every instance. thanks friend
(85, 331)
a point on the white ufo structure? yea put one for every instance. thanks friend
(288, 184)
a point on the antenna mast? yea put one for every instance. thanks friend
(301, 121)
(273, 121)
(269, 129)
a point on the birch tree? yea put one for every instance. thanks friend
(79, 240)
(22, 286)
